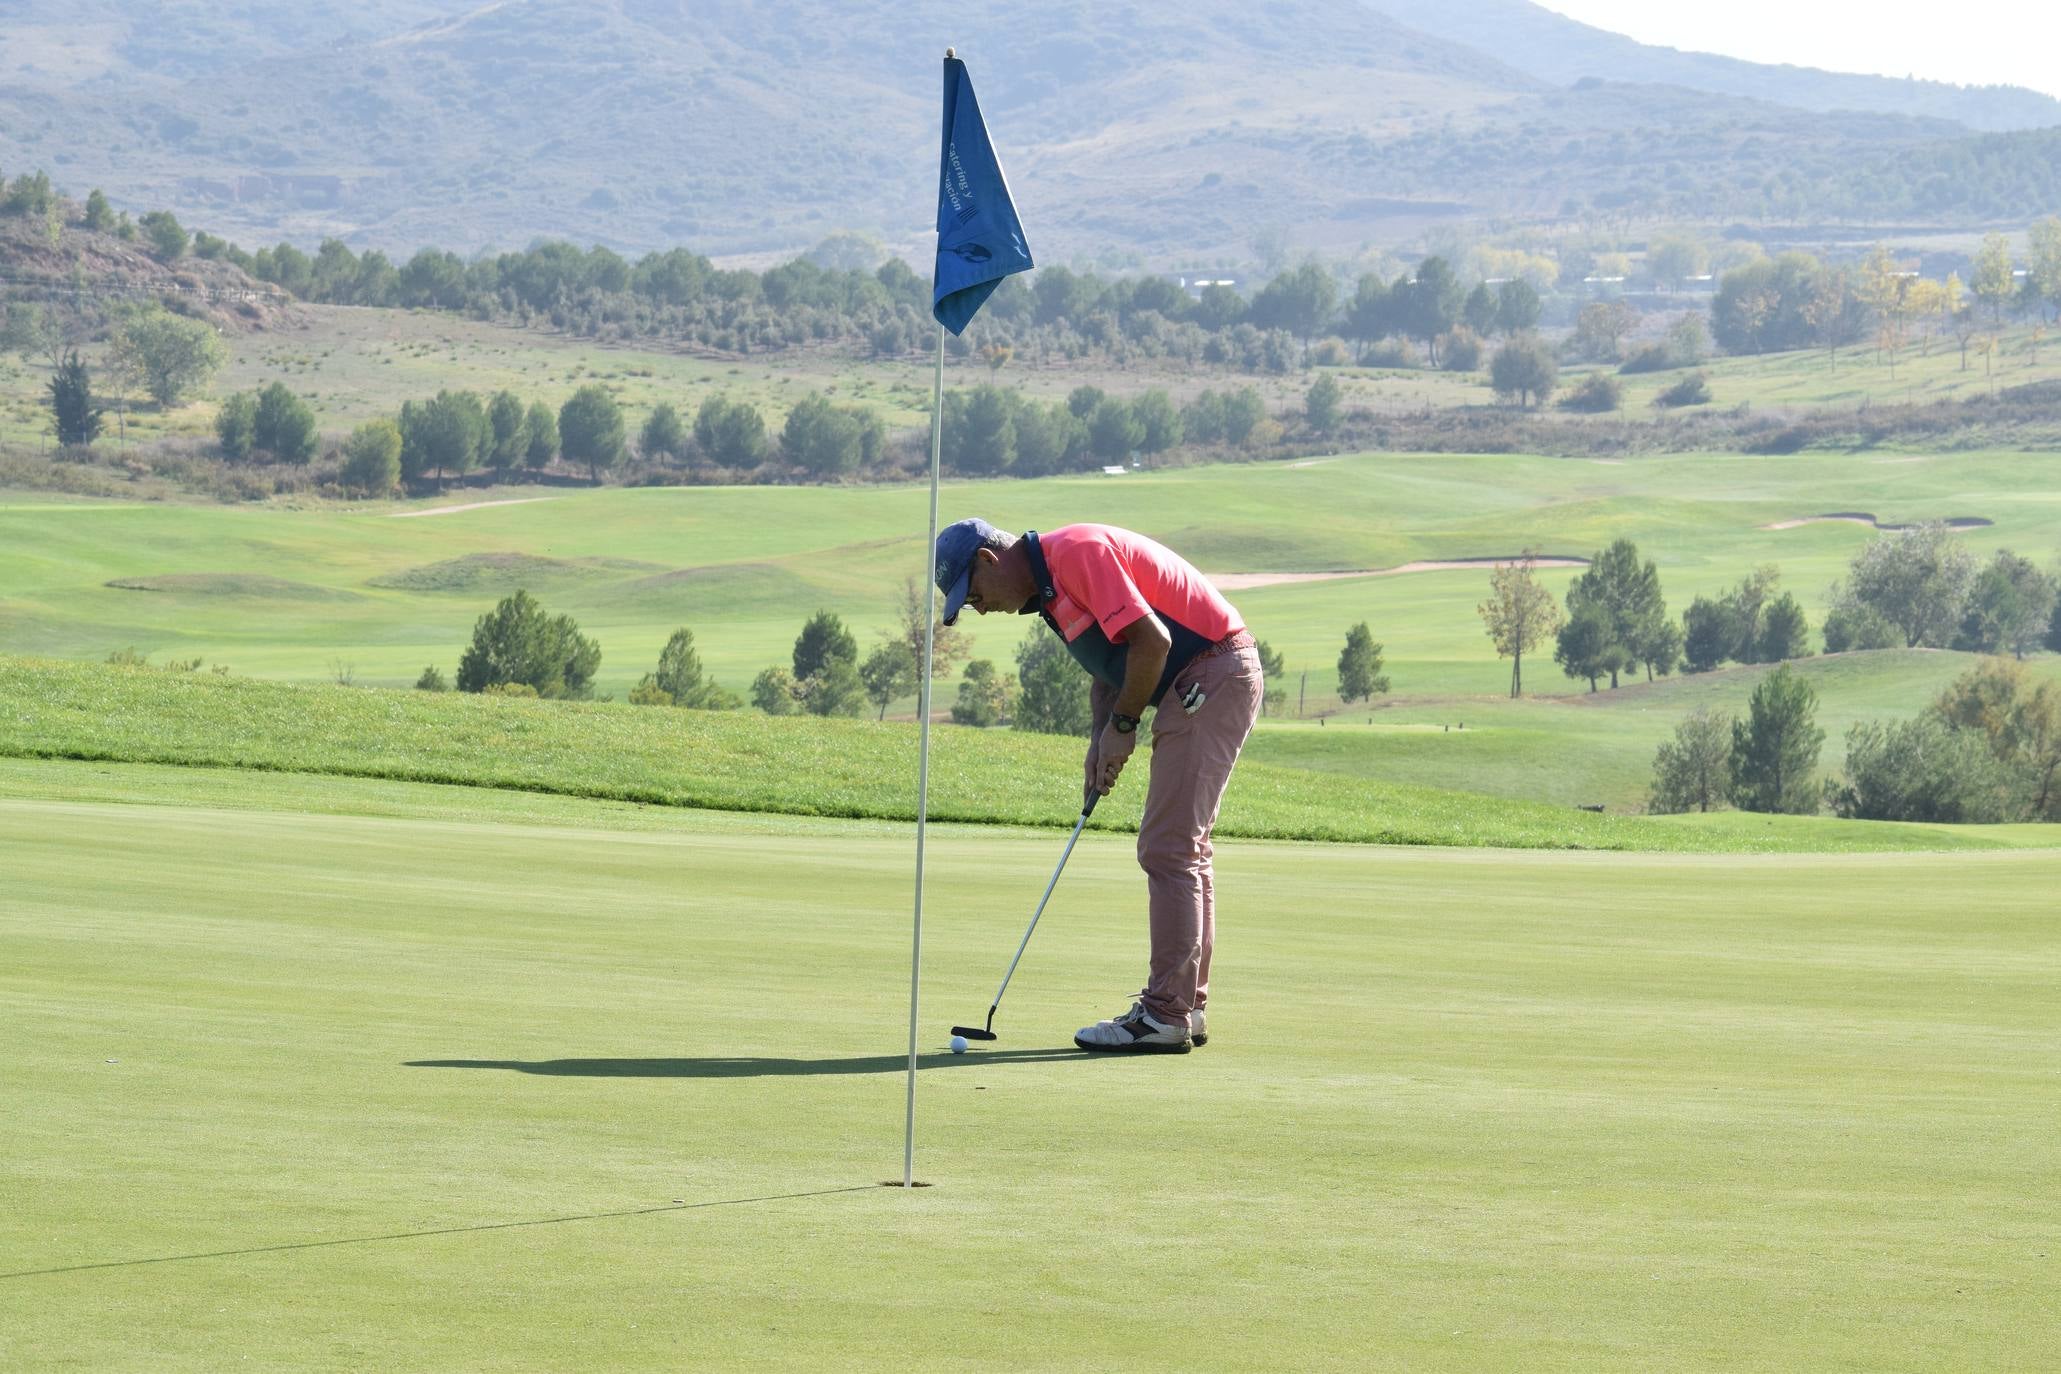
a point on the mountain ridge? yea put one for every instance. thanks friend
(1131, 133)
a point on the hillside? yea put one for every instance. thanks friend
(1171, 136)
(103, 270)
(1563, 51)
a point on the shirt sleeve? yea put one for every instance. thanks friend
(1108, 590)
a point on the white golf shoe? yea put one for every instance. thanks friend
(1198, 1026)
(1137, 1031)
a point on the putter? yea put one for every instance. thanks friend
(988, 1032)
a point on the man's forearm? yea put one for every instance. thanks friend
(1142, 667)
(1101, 701)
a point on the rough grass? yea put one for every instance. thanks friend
(256, 586)
(743, 761)
(501, 573)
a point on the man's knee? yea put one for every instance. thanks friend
(1189, 860)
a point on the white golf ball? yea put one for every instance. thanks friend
(958, 1044)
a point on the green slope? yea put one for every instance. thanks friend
(742, 761)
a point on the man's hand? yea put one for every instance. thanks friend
(1109, 755)
(1091, 775)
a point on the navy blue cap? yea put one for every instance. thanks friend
(956, 545)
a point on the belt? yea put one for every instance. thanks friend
(1237, 639)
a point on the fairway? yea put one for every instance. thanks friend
(349, 1074)
(328, 593)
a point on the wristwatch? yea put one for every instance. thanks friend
(1122, 723)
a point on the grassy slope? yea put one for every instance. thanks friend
(354, 364)
(742, 761)
(747, 565)
(744, 566)
(1461, 1111)
(1595, 749)
(1802, 380)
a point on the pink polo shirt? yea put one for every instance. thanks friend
(1110, 576)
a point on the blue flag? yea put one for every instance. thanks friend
(979, 238)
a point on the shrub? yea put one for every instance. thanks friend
(1524, 370)
(1396, 353)
(517, 644)
(1693, 771)
(1320, 404)
(432, 680)
(681, 680)
(664, 435)
(1859, 627)
(773, 691)
(1692, 390)
(236, 425)
(283, 425)
(983, 696)
(1599, 392)
(1651, 357)
(836, 689)
(372, 458)
(731, 433)
(1919, 770)
(1330, 353)
(647, 692)
(1459, 350)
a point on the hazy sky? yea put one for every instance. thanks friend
(2010, 42)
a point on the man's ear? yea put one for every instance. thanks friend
(987, 553)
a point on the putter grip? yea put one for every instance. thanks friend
(1088, 807)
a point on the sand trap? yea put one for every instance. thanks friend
(1849, 517)
(1238, 582)
(470, 505)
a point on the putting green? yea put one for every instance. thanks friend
(1461, 1109)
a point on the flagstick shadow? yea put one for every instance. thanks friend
(442, 1231)
(742, 1066)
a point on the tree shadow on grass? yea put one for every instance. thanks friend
(740, 1066)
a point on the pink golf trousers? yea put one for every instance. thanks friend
(1192, 758)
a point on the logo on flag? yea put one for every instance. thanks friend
(979, 239)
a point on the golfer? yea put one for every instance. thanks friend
(1152, 633)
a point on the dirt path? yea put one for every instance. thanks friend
(1238, 582)
(470, 505)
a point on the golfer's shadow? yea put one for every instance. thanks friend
(741, 1066)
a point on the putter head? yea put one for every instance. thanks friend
(973, 1032)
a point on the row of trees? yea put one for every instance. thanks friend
(1908, 588)
(1988, 750)
(1921, 588)
(1796, 301)
(843, 291)
(990, 430)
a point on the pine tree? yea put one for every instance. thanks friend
(1359, 666)
(72, 407)
(1775, 750)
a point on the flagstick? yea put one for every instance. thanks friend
(937, 432)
